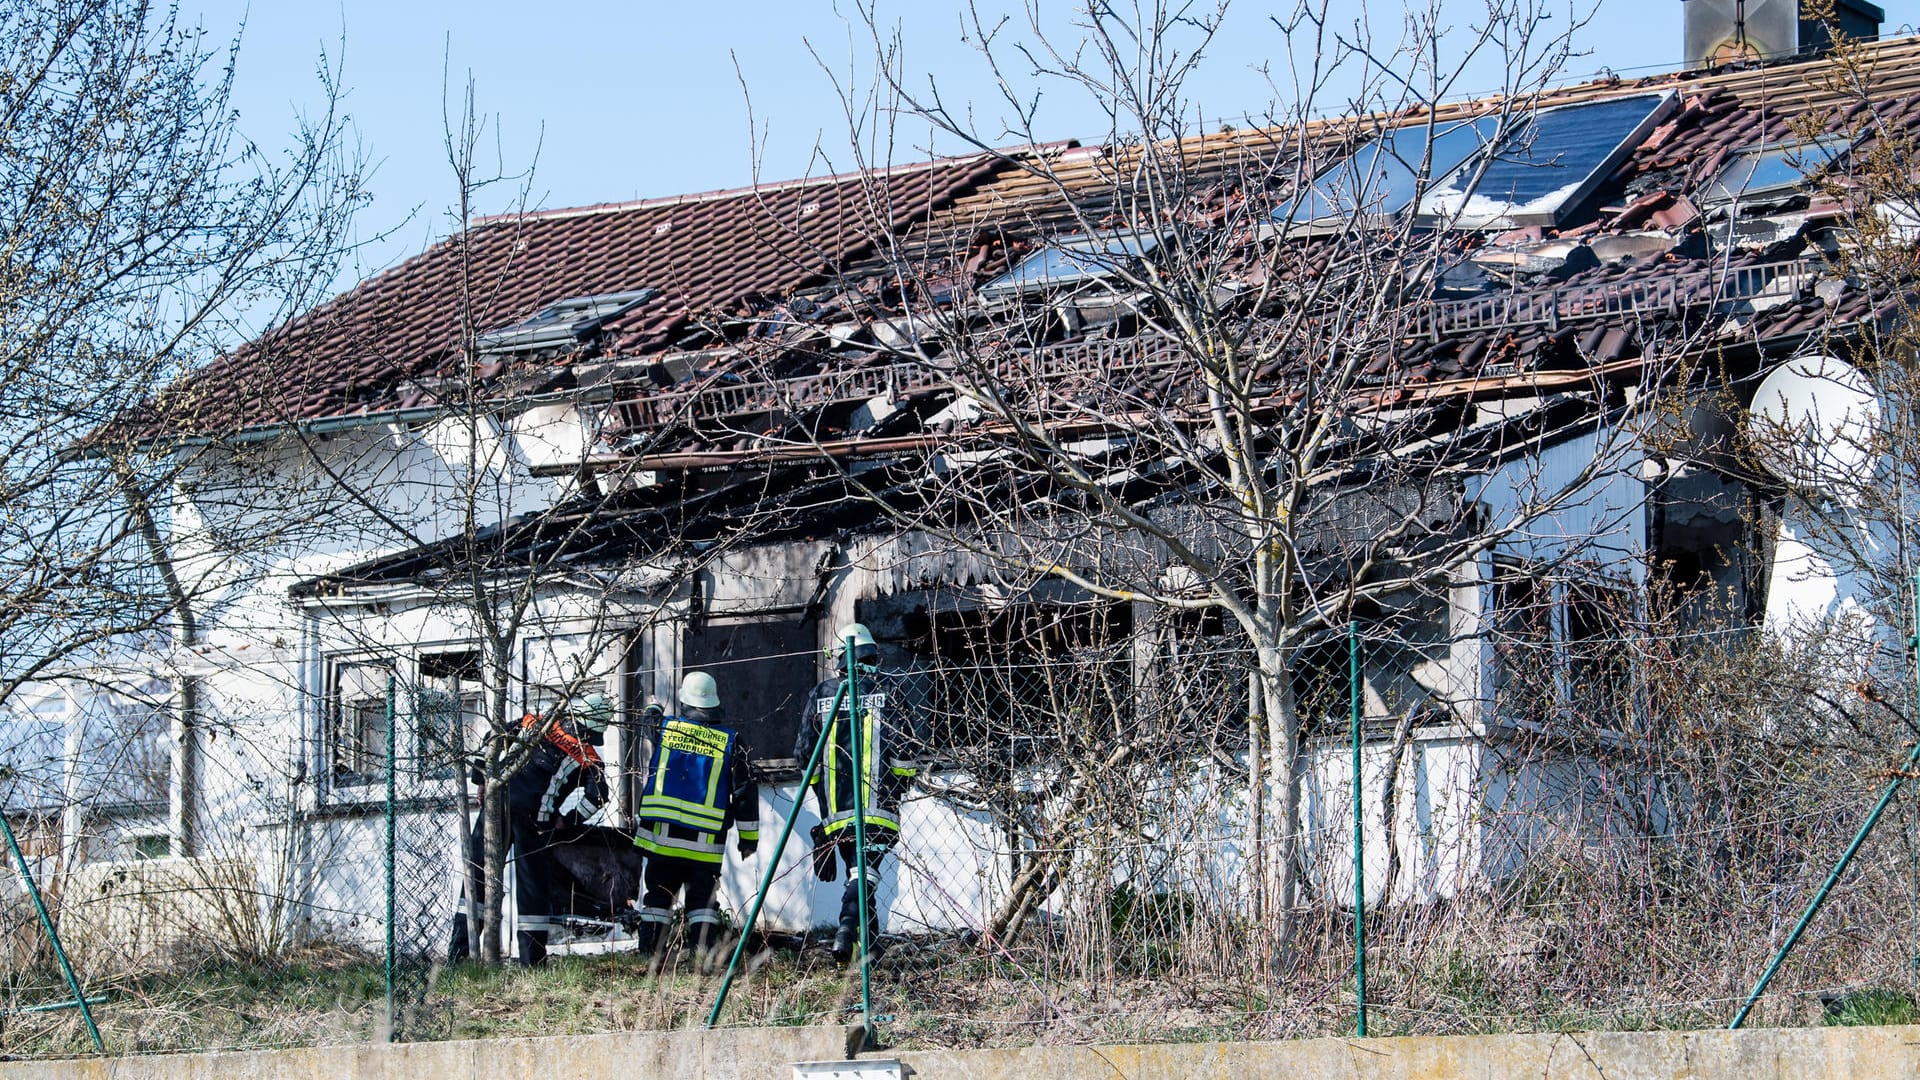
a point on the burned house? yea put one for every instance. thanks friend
(978, 404)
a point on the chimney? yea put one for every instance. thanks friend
(1735, 31)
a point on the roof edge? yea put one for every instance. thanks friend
(973, 160)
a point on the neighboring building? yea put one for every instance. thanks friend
(662, 430)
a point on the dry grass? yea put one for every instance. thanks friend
(928, 994)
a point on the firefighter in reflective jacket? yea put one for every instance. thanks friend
(698, 787)
(886, 740)
(563, 759)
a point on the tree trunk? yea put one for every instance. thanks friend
(1390, 802)
(1256, 800)
(494, 843)
(1283, 766)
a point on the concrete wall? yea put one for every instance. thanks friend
(767, 1054)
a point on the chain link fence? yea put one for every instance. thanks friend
(1616, 826)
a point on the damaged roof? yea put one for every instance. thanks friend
(393, 342)
(820, 257)
(750, 335)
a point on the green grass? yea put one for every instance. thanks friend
(1866, 1008)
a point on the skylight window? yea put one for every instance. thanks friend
(1071, 261)
(1760, 171)
(1380, 178)
(1546, 167)
(564, 323)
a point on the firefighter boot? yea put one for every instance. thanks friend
(459, 948)
(532, 946)
(846, 940)
(702, 929)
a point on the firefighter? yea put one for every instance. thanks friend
(564, 758)
(699, 786)
(886, 740)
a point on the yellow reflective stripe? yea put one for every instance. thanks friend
(667, 847)
(876, 819)
(749, 834)
(713, 779)
(691, 807)
(831, 774)
(660, 752)
(869, 744)
(704, 822)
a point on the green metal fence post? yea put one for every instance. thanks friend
(1359, 835)
(865, 888)
(392, 1011)
(773, 862)
(80, 1000)
(1846, 858)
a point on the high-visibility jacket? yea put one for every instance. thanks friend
(698, 786)
(886, 737)
(562, 761)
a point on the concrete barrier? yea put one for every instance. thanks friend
(766, 1053)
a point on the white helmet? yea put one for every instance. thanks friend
(593, 712)
(699, 691)
(862, 638)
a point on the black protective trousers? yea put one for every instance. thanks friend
(667, 876)
(879, 842)
(534, 874)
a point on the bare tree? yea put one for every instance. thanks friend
(1212, 373)
(145, 231)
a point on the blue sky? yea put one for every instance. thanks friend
(641, 99)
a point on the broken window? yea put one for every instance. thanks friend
(1545, 167)
(1778, 169)
(1008, 684)
(1560, 651)
(564, 323)
(357, 710)
(449, 711)
(567, 666)
(1598, 676)
(1073, 260)
(765, 668)
(1323, 682)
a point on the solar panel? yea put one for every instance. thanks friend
(1546, 166)
(1770, 170)
(1380, 178)
(1072, 260)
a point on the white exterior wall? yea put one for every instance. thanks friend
(264, 774)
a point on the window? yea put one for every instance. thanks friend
(438, 707)
(1760, 171)
(1546, 166)
(1071, 261)
(1380, 178)
(449, 711)
(1599, 678)
(1003, 685)
(571, 665)
(357, 711)
(564, 323)
(1559, 649)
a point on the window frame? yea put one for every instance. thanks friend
(422, 771)
(1551, 633)
(1715, 193)
(333, 707)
